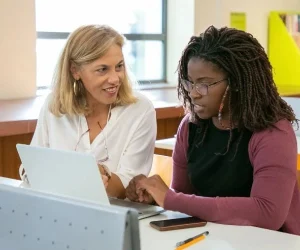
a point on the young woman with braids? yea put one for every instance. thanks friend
(235, 156)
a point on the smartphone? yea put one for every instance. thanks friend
(179, 223)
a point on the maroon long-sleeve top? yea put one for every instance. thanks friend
(274, 201)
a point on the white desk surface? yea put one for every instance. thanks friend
(170, 143)
(221, 237)
(166, 143)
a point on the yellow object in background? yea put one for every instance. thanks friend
(238, 20)
(284, 55)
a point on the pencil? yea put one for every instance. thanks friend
(191, 241)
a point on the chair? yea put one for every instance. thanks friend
(162, 166)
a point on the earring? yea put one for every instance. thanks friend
(221, 108)
(75, 87)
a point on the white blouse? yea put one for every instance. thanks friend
(130, 136)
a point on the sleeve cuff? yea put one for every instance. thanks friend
(170, 200)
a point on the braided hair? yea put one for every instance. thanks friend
(254, 102)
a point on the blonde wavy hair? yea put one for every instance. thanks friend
(85, 45)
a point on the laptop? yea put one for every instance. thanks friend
(72, 174)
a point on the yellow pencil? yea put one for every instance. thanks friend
(191, 241)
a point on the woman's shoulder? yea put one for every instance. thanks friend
(138, 110)
(143, 103)
(280, 135)
(186, 119)
(143, 99)
(47, 114)
(183, 127)
(46, 105)
(282, 127)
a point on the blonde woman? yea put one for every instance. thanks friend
(93, 109)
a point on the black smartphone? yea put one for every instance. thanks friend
(179, 223)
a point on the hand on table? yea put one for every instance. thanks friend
(138, 195)
(105, 180)
(153, 186)
(104, 175)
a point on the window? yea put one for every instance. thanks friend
(142, 22)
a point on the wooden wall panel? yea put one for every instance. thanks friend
(166, 128)
(9, 158)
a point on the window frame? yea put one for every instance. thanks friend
(130, 37)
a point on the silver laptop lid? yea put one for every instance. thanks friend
(72, 174)
(49, 170)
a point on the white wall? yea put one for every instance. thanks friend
(17, 49)
(217, 12)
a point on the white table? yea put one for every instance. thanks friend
(170, 143)
(221, 237)
(166, 143)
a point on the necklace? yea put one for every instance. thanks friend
(105, 138)
(107, 119)
(103, 133)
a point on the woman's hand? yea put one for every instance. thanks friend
(137, 195)
(154, 186)
(112, 183)
(105, 181)
(104, 176)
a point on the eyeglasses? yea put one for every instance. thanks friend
(105, 145)
(201, 87)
